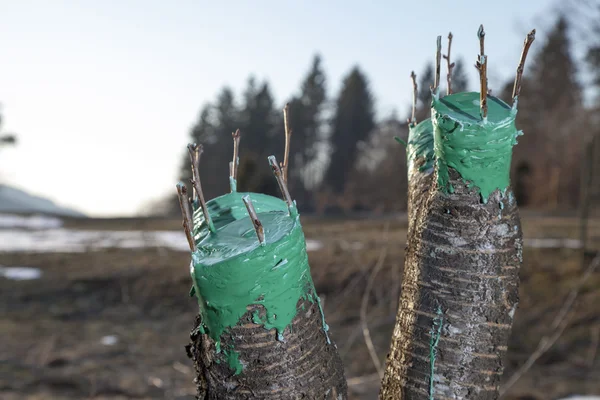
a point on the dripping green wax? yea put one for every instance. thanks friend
(480, 150)
(420, 144)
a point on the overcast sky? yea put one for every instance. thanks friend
(102, 93)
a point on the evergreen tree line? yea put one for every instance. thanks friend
(343, 159)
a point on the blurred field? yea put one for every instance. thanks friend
(112, 324)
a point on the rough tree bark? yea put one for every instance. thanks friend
(305, 366)
(460, 285)
(459, 295)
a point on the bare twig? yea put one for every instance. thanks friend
(481, 36)
(413, 118)
(195, 151)
(359, 380)
(282, 185)
(556, 329)
(365, 303)
(438, 60)
(236, 148)
(450, 65)
(186, 213)
(184, 369)
(482, 67)
(260, 232)
(520, 68)
(386, 320)
(288, 137)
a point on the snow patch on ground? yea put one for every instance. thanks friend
(63, 240)
(552, 243)
(581, 398)
(29, 222)
(45, 234)
(20, 273)
(77, 241)
(109, 340)
(313, 245)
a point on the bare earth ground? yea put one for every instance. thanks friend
(51, 329)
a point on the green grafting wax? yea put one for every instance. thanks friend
(233, 359)
(434, 333)
(479, 150)
(420, 144)
(232, 270)
(230, 207)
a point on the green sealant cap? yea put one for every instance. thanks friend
(231, 270)
(230, 207)
(420, 144)
(479, 150)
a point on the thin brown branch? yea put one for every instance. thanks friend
(413, 118)
(258, 227)
(521, 67)
(558, 326)
(195, 151)
(450, 65)
(236, 148)
(482, 67)
(365, 303)
(186, 213)
(288, 137)
(438, 61)
(282, 184)
(481, 36)
(360, 380)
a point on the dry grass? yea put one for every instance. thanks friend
(51, 329)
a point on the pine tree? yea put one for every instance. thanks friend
(262, 136)
(213, 130)
(424, 95)
(306, 122)
(593, 55)
(554, 71)
(551, 118)
(352, 123)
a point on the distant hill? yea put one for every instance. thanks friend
(14, 200)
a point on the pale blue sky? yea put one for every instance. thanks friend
(102, 93)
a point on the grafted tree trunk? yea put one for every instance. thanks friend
(460, 284)
(459, 295)
(261, 331)
(304, 366)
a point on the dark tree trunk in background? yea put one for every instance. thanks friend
(459, 295)
(304, 366)
(353, 122)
